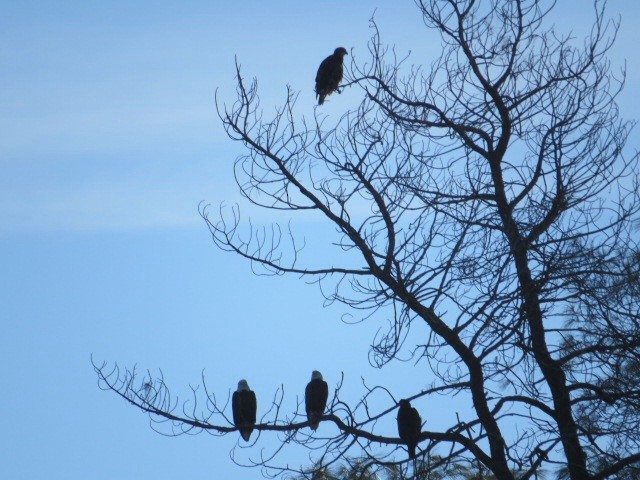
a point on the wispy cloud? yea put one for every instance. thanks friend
(103, 130)
(97, 205)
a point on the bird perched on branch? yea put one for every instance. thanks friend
(315, 398)
(329, 74)
(244, 406)
(409, 426)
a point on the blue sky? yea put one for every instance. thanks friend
(108, 142)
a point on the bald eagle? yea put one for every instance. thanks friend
(409, 426)
(244, 406)
(329, 74)
(315, 398)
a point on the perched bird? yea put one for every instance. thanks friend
(315, 398)
(244, 406)
(409, 426)
(329, 74)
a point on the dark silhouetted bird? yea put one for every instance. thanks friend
(409, 426)
(329, 74)
(315, 398)
(244, 406)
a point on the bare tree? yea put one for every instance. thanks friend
(429, 468)
(488, 196)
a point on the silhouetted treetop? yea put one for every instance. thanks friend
(487, 201)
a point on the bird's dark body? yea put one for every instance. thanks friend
(244, 406)
(329, 74)
(315, 396)
(409, 426)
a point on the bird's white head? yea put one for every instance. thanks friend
(316, 375)
(340, 51)
(243, 386)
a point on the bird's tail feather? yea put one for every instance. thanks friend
(314, 417)
(412, 451)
